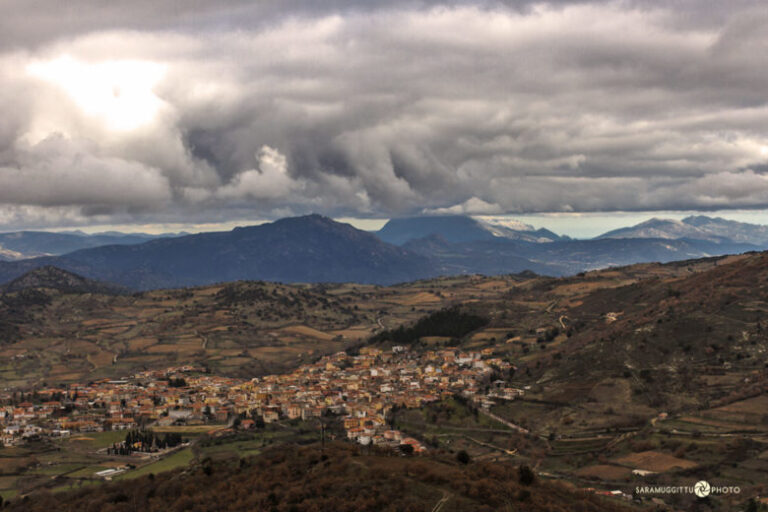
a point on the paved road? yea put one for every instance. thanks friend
(204, 344)
(443, 500)
(492, 446)
(504, 422)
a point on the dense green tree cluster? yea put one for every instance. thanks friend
(449, 322)
(145, 440)
(177, 382)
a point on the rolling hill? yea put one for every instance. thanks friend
(57, 279)
(238, 329)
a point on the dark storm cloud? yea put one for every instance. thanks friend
(211, 110)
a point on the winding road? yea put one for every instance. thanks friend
(439, 505)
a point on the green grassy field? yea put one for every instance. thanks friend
(67, 464)
(452, 425)
(178, 459)
(8, 493)
(55, 469)
(190, 430)
(445, 417)
(97, 440)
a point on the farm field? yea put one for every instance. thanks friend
(178, 459)
(247, 329)
(72, 463)
(238, 329)
(654, 461)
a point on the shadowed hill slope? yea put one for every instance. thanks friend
(661, 335)
(297, 479)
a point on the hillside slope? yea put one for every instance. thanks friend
(290, 478)
(662, 333)
(669, 334)
(241, 329)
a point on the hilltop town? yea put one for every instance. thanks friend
(359, 389)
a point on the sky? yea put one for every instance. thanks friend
(192, 114)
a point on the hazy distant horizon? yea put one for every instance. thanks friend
(575, 225)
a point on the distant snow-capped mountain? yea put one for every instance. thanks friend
(701, 227)
(459, 229)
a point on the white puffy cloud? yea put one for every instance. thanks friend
(269, 181)
(472, 206)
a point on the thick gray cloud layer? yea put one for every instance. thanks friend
(126, 111)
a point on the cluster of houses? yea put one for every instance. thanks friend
(364, 388)
(361, 390)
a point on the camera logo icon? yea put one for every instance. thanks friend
(702, 489)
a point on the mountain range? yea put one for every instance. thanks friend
(31, 244)
(313, 248)
(564, 257)
(301, 249)
(696, 228)
(459, 228)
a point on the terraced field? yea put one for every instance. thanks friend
(72, 463)
(239, 329)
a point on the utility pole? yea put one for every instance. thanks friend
(322, 437)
